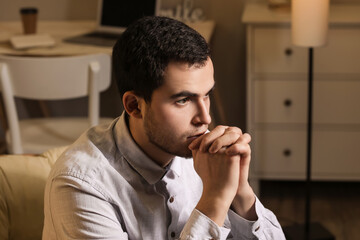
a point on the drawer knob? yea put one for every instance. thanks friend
(287, 102)
(288, 51)
(287, 152)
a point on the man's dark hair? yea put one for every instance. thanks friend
(145, 49)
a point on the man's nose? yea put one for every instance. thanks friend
(203, 113)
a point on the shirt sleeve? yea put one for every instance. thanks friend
(266, 227)
(199, 226)
(78, 211)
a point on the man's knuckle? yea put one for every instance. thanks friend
(247, 136)
(234, 130)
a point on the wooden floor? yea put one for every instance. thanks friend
(335, 205)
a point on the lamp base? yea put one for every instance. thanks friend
(317, 232)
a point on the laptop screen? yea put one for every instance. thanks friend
(116, 15)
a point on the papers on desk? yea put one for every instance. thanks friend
(31, 41)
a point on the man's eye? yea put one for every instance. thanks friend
(183, 101)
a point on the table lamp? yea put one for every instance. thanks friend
(309, 25)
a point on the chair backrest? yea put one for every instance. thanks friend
(53, 78)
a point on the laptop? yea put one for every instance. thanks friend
(112, 19)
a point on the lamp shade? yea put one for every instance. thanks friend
(309, 22)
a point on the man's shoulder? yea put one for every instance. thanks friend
(78, 161)
(87, 156)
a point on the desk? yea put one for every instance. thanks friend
(60, 30)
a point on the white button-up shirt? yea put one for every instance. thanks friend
(105, 187)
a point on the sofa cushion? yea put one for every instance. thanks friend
(22, 184)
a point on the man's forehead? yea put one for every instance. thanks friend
(180, 77)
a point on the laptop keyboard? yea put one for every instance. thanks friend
(103, 35)
(95, 38)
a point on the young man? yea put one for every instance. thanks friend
(157, 172)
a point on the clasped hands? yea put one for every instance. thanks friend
(222, 160)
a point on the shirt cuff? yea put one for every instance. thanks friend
(199, 226)
(243, 227)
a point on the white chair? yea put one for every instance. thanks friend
(51, 78)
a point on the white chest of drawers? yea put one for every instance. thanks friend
(277, 97)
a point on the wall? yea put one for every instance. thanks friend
(50, 9)
(228, 51)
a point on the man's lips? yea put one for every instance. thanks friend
(196, 136)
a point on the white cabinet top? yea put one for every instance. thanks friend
(260, 13)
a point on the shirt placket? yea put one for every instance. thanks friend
(174, 203)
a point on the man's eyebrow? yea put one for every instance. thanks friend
(189, 94)
(184, 94)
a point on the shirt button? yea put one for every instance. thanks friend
(256, 229)
(172, 234)
(171, 199)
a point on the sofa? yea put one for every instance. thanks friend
(22, 184)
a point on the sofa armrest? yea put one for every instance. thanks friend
(22, 184)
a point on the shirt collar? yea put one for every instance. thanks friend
(135, 156)
(176, 165)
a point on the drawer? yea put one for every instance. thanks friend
(336, 155)
(334, 102)
(273, 52)
(280, 154)
(337, 102)
(280, 101)
(341, 54)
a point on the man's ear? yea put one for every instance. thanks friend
(132, 104)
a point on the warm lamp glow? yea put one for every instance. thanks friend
(309, 21)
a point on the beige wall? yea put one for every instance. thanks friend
(228, 52)
(50, 9)
(228, 43)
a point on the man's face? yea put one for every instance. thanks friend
(179, 109)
